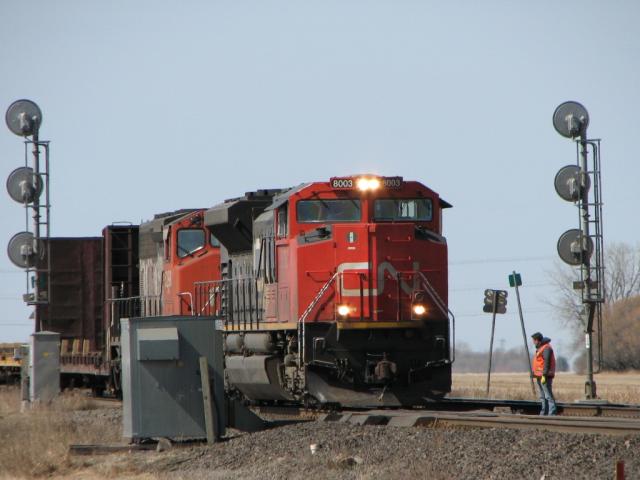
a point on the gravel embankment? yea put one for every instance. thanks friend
(370, 452)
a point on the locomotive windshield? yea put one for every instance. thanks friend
(328, 211)
(403, 209)
(189, 240)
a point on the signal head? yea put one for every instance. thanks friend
(574, 248)
(571, 182)
(571, 119)
(23, 185)
(23, 117)
(21, 250)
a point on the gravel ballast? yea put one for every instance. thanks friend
(345, 451)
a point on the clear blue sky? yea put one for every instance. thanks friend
(156, 105)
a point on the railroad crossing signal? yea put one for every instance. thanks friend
(500, 298)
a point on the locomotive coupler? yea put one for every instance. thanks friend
(385, 370)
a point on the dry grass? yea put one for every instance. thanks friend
(35, 443)
(567, 387)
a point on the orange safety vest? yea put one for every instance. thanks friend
(538, 362)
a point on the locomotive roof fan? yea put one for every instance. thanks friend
(23, 117)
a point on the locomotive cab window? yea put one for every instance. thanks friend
(328, 211)
(214, 241)
(283, 222)
(403, 209)
(189, 241)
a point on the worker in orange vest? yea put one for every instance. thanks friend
(544, 370)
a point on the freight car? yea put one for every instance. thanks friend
(95, 281)
(334, 293)
(10, 362)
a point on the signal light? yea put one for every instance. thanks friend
(500, 298)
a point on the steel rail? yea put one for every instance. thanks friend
(434, 419)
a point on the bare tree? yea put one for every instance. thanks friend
(621, 310)
(621, 281)
(622, 272)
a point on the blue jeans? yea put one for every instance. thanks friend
(548, 403)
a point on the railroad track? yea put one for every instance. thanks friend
(592, 417)
(579, 417)
(434, 419)
(593, 408)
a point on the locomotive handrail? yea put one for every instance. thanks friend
(445, 311)
(305, 314)
(212, 287)
(188, 294)
(144, 306)
(207, 293)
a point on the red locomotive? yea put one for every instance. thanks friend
(330, 292)
(334, 292)
(129, 271)
(176, 250)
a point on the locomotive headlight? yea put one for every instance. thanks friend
(366, 184)
(343, 310)
(374, 184)
(419, 309)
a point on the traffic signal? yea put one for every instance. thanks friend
(500, 300)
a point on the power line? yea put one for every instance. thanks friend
(527, 285)
(508, 314)
(498, 260)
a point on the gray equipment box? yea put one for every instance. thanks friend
(44, 366)
(161, 383)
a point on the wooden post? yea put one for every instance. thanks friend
(210, 420)
(620, 470)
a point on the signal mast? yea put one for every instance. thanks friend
(583, 246)
(29, 248)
